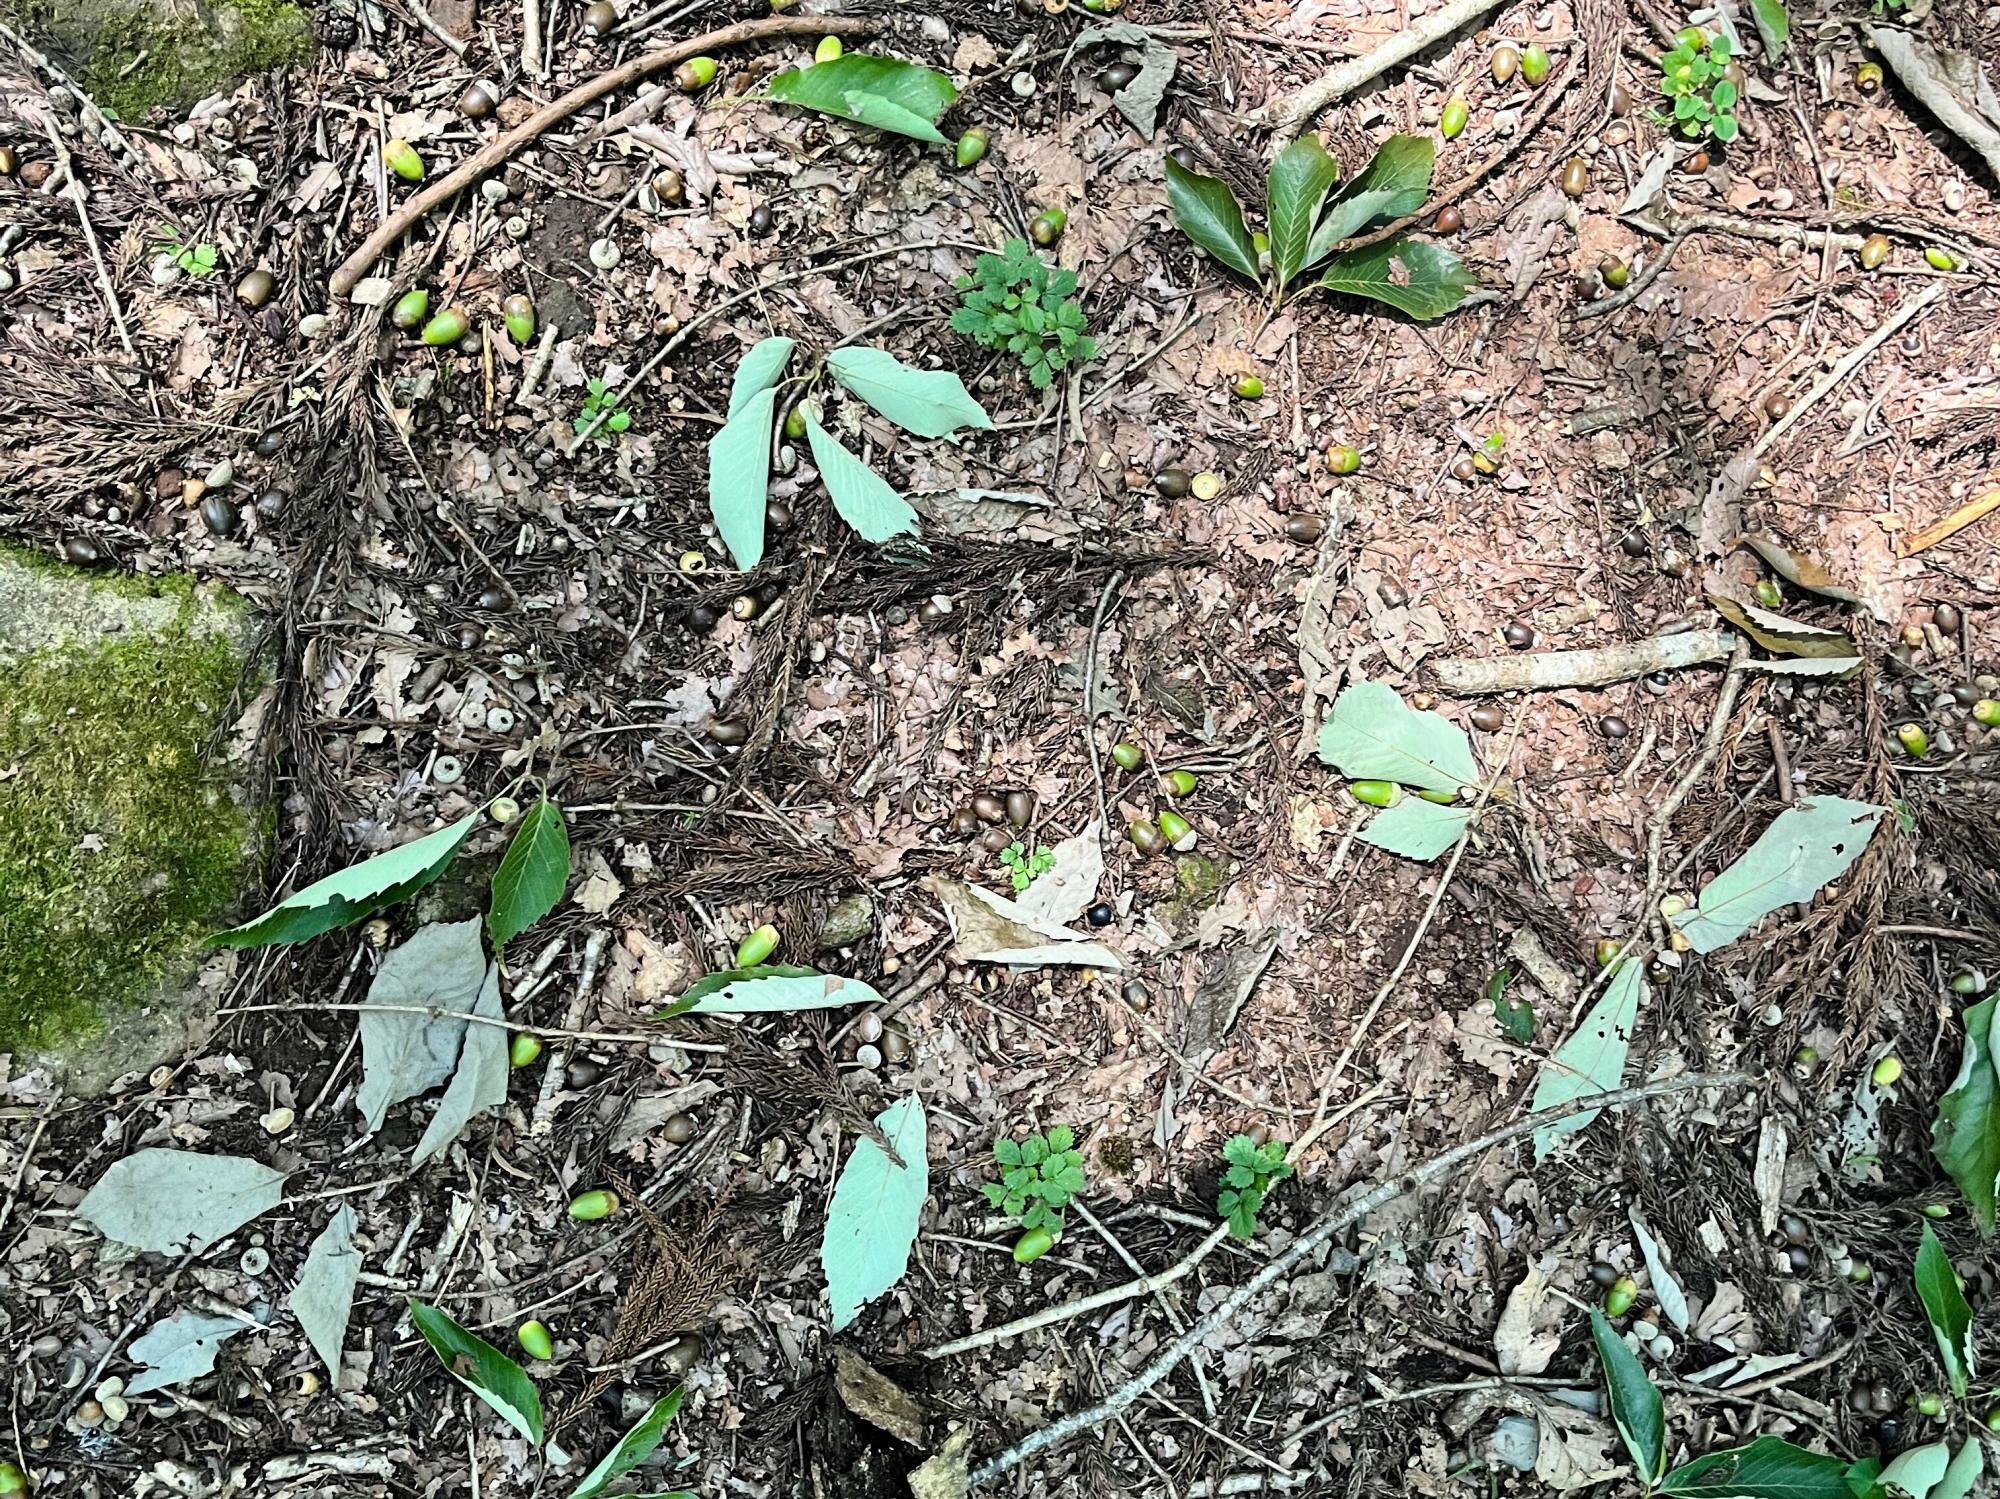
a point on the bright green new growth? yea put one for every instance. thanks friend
(599, 399)
(1016, 301)
(112, 823)
(1253, 1170)
(1038, 1177)
(1310, 221)
(1704, 102)
(194, 260)
(1023, 868)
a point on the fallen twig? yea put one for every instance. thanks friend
(1338, 1221)
(1090, 700)
(1647, 274)
(73, 190)
(435, 27)
(1167, 1308)
(1593, 668)
(1849, 363)
(1656, 833)
(1951, 525)
(1296, 108)
(502, 147)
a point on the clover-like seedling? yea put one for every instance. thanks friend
(1017, 302)
(1024, 868)
(1692, 75)
(1253, 1170)
(1038, 1177)
(599, 398)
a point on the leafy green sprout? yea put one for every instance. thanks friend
(1251, 1171)
(1691, 75)
(1038, 1178)
(599, 398)
(195, 260)
(1024, 868)
(1018, 302)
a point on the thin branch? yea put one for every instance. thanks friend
(501, 148)
(1849, 363)
(1298, 107)
(1306, 1244)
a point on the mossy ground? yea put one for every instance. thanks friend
(136, 55)
(118, 844)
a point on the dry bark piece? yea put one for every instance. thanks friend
(1591, 668)
(876, 1398)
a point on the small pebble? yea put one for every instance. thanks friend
(1662, 1348)
(1645, 1331)
(89, 1415)
(220, 476)
(109, 1387)
(868, 1057)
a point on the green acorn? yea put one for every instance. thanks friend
(518, 312)
(1179, 782)
(535, 1340)
(411, 308)
(523, 1049)
(447, 328)
(828, 50)
(591, 1206)
(971, 148)
(1618, 1300)
(1451, 124)
(757, 947)
(401, 158)
(1127, 755)
(1174, 827)
(1032, 1245)
(1375, 793)
(1048, 226)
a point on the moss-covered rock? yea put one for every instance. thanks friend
(133, 56)
(122, 839)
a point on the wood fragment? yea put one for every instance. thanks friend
(1593, 668)
(501, 148)
(1951, 525)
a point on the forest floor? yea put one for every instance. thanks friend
(461, 594)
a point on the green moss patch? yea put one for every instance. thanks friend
(119, 845)
(136, 55)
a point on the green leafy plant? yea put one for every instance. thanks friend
(597, 400)
(926, 403)
(1309, 220)
(1252, 1171)
(1692, 76)
(1023, 868)
(1767, 1468)
(1966, 1136)
(885, 92)
(1018, 302)
(1516, 1016)
(1038, 1178)
(197, 259)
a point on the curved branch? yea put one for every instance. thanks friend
(501, 148)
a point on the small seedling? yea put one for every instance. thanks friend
(1016, 301)
(1024, 868)
(1253, 1170)
(194, 260)
(1038, 1177)
(599, 399)
(1516, 1016)
(1691, 75)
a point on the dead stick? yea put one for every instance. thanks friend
(1952, 524)
(1338, 1221)
(1594, 668)
(1849, 363)
(1337, 82)
(502, 148)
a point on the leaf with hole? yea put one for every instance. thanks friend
(1804, 848)
(739, 478)
(1373, 735)
(1765, 1469)
(1410, 275)
(1300, 179)
(1593, 1059)
(531, 875)
(173, 1201)
(482, 1369)
(1966, 1136)
(1395, 183)
(930, 403)
(1636, 1406)
(885, 92)
(1208, 214)
(357, 891)
(633, 1448)
(871, 1223)
(1416, 829)
(1140, 100)
(179, 1348)
(1945, 1307)
(863, 497)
